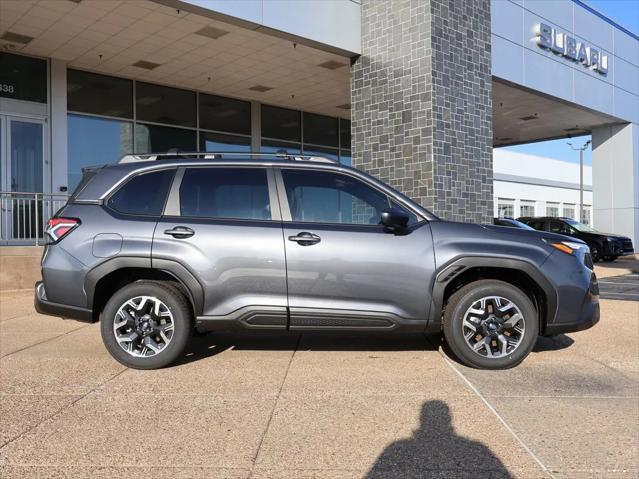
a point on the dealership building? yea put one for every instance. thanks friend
(419, 93)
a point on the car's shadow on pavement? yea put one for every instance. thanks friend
(543, 344)
(206, 345)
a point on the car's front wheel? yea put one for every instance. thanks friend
(490, 324)
(146, 325)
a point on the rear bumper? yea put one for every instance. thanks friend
(44, 306)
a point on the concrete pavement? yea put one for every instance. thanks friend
(315, 406)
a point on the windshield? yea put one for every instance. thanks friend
(580, 226)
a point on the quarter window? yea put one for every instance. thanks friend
(145, 194)
(239, 193)
(326, 197)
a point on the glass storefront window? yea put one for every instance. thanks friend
(219, 142)
(95, 141)
(345, 134)
(569, 211)
(585, 215)
(160, 139)
(162, 104)
(345, 157)
(225, 114)
(527, 208)
(23, 78)
(269, 146)
(320, 130)
(281, 124)
(552, 209)
(99, 94)
(330, 153)
(505, 208)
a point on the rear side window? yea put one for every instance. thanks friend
(145, 194)
(237, 193)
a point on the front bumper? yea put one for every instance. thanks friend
(44, 306)
(588, 316)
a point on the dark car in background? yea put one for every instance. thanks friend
(603, 246)
(511, 223)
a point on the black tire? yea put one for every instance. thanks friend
(182, 317)
(594, 254)
(459, 303)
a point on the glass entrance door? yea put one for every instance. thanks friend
(22, 162)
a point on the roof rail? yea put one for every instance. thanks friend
(218, 155)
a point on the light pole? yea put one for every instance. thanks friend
(581, 176)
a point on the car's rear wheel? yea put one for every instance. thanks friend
(594, 254)
(146, 325)
(490, 324)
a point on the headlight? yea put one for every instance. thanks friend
(568, 247)
(610, 239)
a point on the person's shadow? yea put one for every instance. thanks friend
(435, 450)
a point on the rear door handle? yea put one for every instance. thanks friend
(180, 232)
(305, 238)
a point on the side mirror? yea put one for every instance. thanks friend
(394, 219)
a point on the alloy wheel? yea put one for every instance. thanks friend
(143, 326)
(493, 327)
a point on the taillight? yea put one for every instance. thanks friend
(58, 228)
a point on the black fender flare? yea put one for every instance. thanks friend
(181, 274)
(458, 265)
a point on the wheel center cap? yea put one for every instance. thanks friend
(492, 326)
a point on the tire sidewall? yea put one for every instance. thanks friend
(181, 319)
(467, 296)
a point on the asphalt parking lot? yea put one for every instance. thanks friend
(315, 406)
(624, 288)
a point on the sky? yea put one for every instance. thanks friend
(626, 14)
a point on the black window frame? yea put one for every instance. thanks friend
(107, 200)
(176, 199)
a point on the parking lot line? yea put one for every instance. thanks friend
(497, 415)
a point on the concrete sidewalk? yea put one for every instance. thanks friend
(302, 406)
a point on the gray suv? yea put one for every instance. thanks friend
(158, 246)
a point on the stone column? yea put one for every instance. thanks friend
(422, 103)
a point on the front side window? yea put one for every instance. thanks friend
(538, 225)
(558, 227)
(327, 197)
(145, 194)
(234, 193)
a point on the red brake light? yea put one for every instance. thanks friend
(58, 228)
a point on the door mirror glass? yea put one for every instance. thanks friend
(394, 218)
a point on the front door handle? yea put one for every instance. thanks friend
(180, 232)
(305, 238)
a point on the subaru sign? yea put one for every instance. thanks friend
(568, 47)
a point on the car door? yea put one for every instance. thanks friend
(344, 269)
(223, 224)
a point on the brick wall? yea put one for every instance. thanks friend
(421, 103)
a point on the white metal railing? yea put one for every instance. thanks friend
(23, 216)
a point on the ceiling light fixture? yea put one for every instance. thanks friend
(332, 65)
(146, 65)
(16, 37)
(211, 32)
(260, 88)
